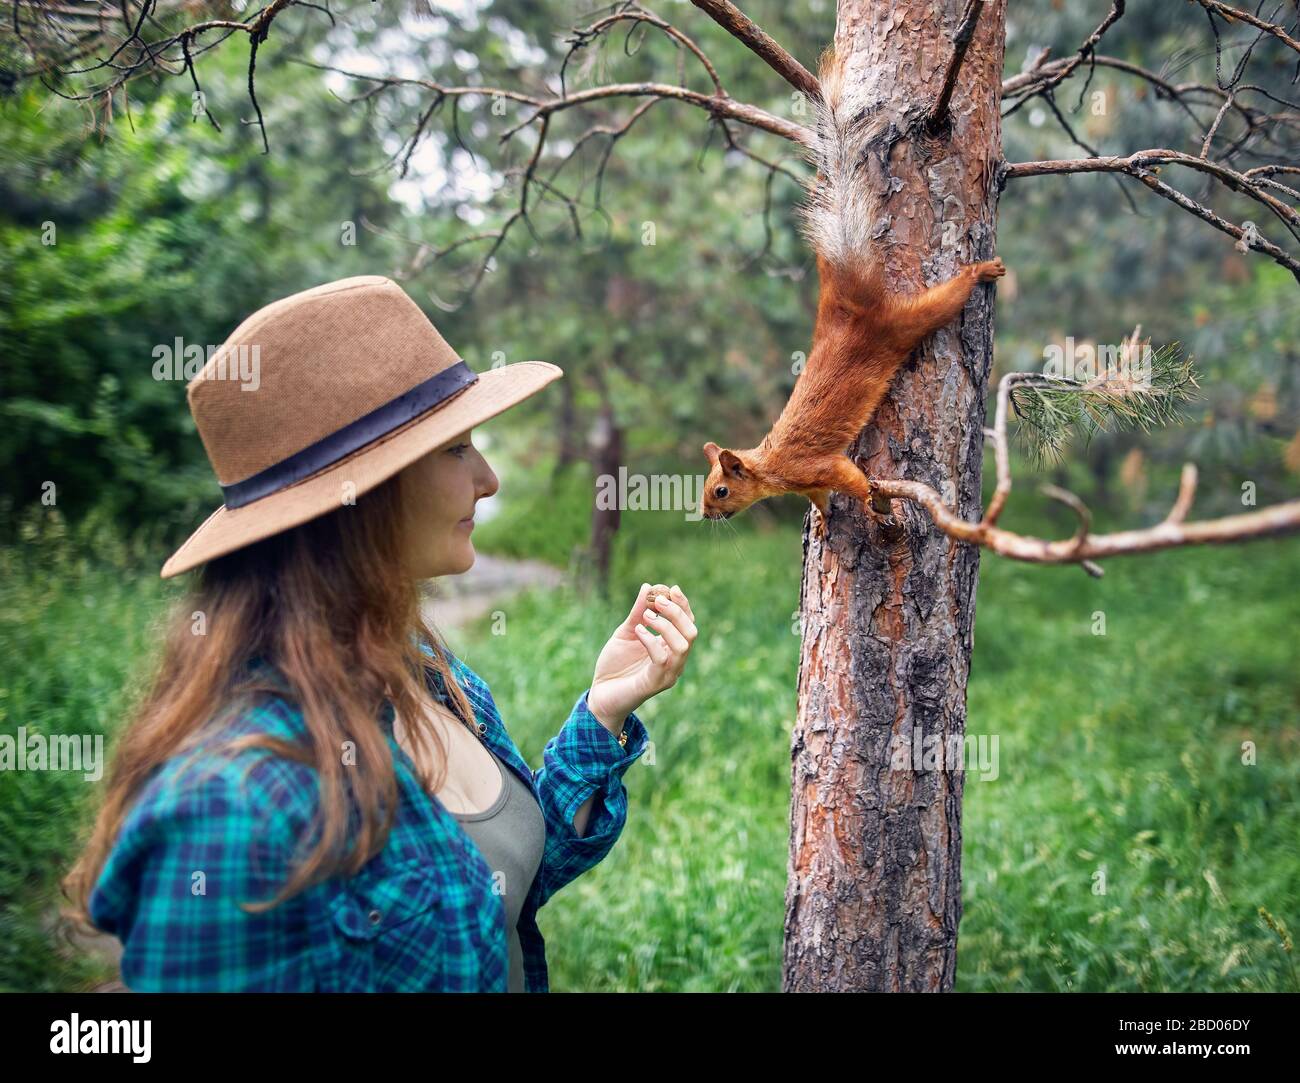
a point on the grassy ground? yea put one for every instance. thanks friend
(1123, 845)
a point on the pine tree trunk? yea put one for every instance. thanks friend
(873, 900)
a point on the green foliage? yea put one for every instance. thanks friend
(87, 267)
(114, 246)
(1050, 409)
(79, 606)
(1122, 767)
(546, 518)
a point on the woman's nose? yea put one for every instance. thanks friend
(488, 483)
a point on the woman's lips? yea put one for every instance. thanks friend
(468, 522)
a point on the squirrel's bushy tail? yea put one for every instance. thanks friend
(842, 208)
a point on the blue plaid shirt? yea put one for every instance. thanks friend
(209, 831)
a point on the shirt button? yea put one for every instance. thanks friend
(375, 917)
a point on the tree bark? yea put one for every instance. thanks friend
(873, 900)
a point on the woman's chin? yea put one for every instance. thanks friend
(459, 561)
(453, 560)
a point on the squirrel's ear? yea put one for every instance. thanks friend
(731, 463)
(711, 451)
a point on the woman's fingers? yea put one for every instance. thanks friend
(664, 624)
(637, 612)
(674, 594)
(679, 617)
(655, 647)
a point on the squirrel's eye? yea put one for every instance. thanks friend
(721, 492)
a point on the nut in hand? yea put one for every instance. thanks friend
(655, 591)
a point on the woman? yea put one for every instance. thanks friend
(316, 794)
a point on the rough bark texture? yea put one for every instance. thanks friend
(874, 893)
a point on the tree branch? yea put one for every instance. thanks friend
(1140, 165)
(1084, 548)
(1171, 533)
(741, 27)
(1237, 15)
(1064, 69)
(960, 42)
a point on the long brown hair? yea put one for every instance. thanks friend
(329, 605)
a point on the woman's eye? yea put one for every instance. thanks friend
(458, 448)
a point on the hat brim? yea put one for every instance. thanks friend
(228, 529)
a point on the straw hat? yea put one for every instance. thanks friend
(320, 397)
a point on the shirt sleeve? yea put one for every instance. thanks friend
(582, 760)
(197, 843)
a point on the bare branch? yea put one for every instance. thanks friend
(133, 55)
(1084, 547)
(998, 434)
(718, 107)
(1078, 507)
(740, 26)
(1186, 494)
(583, 37)
(1237, 15)
(1144, 165)
(1169, 534)
(1045, 80)
(960, 42)
(1258, 134)
(727, 107)
(1181, 94)
(541, 109)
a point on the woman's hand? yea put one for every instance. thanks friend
(636, 664)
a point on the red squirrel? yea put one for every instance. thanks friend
(863, 330)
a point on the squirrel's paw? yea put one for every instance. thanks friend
(989, 269)
(819, 525)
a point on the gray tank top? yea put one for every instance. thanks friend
(510, 834)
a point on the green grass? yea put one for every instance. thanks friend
(1118, 754)
(74, 632)
(1122, 756)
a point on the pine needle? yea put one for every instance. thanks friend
(1141, 391)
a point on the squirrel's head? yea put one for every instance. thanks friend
(732, 485)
